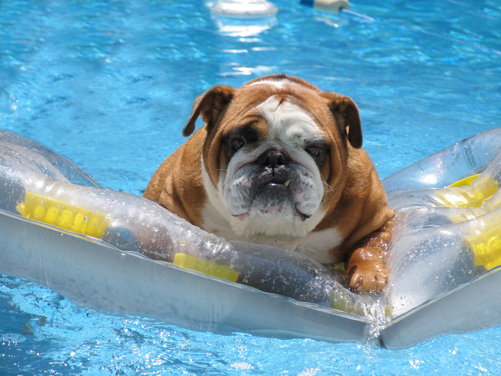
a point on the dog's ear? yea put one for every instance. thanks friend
(210, 105)
(347, 117)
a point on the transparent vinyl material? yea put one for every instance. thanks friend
(445, 250)
(34, 186)
(449, 230)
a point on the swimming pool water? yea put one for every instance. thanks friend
(109, 85)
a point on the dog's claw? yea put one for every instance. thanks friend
(367, 281)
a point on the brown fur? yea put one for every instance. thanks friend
(355, 203)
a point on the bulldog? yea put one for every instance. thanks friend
(279, 162)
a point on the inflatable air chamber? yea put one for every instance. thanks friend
(120, 253)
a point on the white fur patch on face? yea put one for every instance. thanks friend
(289, 123)
(277, 83)
(295, 237)
(290, 129)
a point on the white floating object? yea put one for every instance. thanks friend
(244, 8)
(330, 5)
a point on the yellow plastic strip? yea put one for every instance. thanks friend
(461, 194)
(206, 267)
(63, 215)
(486, 241)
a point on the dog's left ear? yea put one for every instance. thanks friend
(210, 105)
(346, 113)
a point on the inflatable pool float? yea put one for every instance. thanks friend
(120, 253)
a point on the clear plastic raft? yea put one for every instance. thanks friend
(121, 253)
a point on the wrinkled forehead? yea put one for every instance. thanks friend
(288, 121)
(282, 109)
(277, 83)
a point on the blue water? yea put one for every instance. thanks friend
(109, 85)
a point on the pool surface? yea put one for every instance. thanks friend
(109, 85)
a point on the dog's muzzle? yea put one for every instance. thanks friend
(273, 186)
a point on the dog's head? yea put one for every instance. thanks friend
(275, 152)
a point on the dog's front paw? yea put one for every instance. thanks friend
(367, 264)
(367, 277)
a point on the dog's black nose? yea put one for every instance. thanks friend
(273, 158)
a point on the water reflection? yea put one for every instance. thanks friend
(332, 21)
(244, 8)
(238, 27)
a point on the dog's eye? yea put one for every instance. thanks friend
(313, 150)
(238, 143)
